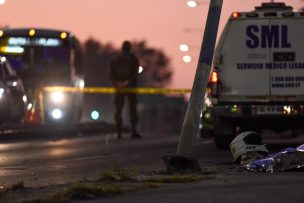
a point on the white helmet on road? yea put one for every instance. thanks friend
(247, 142)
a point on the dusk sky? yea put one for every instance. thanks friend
(163, 23)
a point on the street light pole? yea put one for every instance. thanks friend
(183, 160)
(192, 118)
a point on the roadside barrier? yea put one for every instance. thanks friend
(113, 90)
(35, 114)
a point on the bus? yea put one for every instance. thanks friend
(47, 57)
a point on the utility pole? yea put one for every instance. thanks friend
(183, 160)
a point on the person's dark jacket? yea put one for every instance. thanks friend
(124, 67)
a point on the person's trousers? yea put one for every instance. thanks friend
(119, 103)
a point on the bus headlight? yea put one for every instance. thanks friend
(56, 114)
(57, 97)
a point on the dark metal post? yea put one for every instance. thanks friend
(196, 102)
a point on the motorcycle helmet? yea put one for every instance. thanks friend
(245, 143)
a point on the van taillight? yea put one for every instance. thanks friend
(214, 77)
(213, 84)
(236, 15)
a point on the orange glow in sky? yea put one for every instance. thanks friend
(165, 24)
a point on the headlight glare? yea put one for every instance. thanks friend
(57, 97)
(57, 114)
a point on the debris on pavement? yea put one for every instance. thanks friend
(285, 160)
(181, 163)
(248, 151)
(247, 147)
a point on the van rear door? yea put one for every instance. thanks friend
(287, 65)
(242, 74)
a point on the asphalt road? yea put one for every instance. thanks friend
(47, 161)
(50, 161)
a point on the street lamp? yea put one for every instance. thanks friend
(184, 47)
(2, 2)
(193, 4)
(187, 58)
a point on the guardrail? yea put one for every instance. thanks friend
(113, 90)
(36, 113)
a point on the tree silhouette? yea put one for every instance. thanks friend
(97, 56)
(302, 8)
(157, 71)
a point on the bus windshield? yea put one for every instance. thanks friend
(41, 59)
(36, 54)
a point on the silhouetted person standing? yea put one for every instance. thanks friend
(123, 73)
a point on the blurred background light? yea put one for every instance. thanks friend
(57, 114)
(184, 47)
(192, 4)
(187, 59)
(140, 69)
(95, 115)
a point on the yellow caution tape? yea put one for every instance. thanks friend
(113, 90)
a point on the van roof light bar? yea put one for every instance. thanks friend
(274, 6)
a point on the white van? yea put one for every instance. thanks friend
(258, 75)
